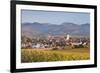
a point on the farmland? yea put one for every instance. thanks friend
(47, 55)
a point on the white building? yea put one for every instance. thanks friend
(67, 37)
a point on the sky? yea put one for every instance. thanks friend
(54, 17)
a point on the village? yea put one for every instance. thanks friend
(55, 42)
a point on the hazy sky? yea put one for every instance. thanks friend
(54, 17)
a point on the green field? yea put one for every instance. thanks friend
(40, 55)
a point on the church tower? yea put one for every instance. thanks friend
(67, 37)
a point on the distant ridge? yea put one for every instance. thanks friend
(37, 28)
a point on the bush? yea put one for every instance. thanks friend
(78, 46)
(55, 48)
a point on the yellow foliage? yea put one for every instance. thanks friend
(38, 55)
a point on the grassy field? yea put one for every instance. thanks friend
(42, 55)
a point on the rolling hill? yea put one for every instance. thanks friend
(43, 29)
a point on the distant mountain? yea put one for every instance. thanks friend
(43, 29)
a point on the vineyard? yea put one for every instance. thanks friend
(45, 55)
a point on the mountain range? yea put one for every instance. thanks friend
(43, 29)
